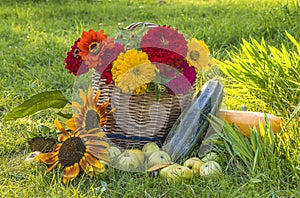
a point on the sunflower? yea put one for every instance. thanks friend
(132, 71)
(90, 42)
(198, 54)
(80, 150)
(90, 115)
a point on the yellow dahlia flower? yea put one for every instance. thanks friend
(198, 54)
(132, 70)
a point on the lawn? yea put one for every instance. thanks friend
(36, 35)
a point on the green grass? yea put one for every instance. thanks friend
(34, 39)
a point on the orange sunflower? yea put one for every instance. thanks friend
(80, 150)
(90, 115)
(90, 42)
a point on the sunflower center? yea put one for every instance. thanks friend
(194, 55)
(164, 42)
(71, 151)
(95, 47)
(76, 53)
(92, 120)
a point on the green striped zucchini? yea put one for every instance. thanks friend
(191, 126)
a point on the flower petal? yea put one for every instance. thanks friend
(96, 143)
(71, 171)
(53, 166)
(96, 135)
(47, 158)
(86, 167)
(96, 97)
(90, 100)
(77, 106)
(82, 96)
(60, 127)
(71, 124)
(93, 161)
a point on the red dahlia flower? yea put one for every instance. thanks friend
(164, 45)
(107, 74)
(110, 51)
(74, 61)
(184, 81)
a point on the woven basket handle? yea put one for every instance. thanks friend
(135, 25)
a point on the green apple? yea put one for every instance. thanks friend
(194, 164)
(211, 156)
(113, 152)
(139, 153)
(179, 173)
(164, 171)
(128, 161)
(158, 157)
(210, 169)
(149, 148)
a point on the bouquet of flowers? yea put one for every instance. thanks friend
(148, 72)
(141, 59)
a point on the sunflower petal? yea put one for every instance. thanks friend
(60, 127)
(93, 161)
(90, 97)
(99, 170)
(77, 106)
(96, 131)
(82, 96)
(86, 167)
(47, 158)
(57, 147)
(53, 166)
(62, 137)
(71, 124)
(71, 171)
(103, 121)
(96, 97)
(97, 152)
(96, 143)
(96, 135)
(84, 163)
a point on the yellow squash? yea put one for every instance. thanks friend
(245, 120)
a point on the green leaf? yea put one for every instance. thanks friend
(44, 100)
(65, 115)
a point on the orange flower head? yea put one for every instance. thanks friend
(90, 42)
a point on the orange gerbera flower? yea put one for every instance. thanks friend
(90, 115)
(90, 42)
(78, 151)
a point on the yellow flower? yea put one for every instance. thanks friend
(80, 150)
(198, 54)
(132, 71)
(90, 115)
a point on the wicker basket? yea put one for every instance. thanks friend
(139, 119)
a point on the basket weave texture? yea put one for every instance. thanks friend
(139, 119)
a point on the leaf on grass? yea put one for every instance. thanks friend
(44, 100)
(65, 115)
